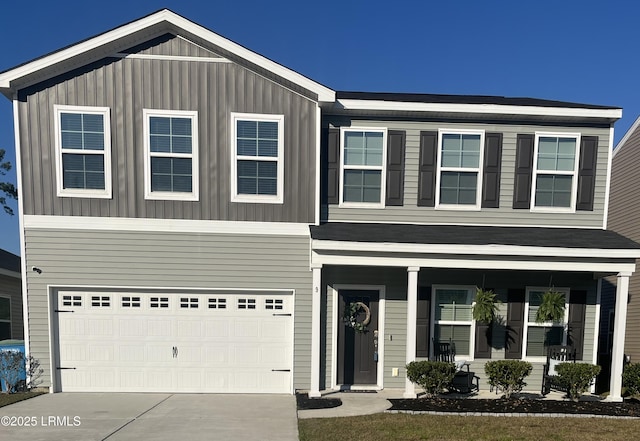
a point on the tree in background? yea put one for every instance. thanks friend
(7, 189)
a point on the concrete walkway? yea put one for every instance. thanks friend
(123, 417)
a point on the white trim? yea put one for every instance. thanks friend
(318, 166)
(472, 323)
(619, 330)
(491, 250)
(596, 332)
(58, 110)
(467, 224)
(527, 323)
(21, 219)
(574, 174)
(487, 109)
(165, 225)
(478, 170)
(382, 168)
(148, 154)
(607, 189)
(626, 136)
(8, 273)
(165, 15)
(506, 264)
(381, 335)
(316, 307)
(278, 198)
(411, 339)
(173, 58)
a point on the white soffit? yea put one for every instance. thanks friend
(324, 93)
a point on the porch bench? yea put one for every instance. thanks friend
(555, 355)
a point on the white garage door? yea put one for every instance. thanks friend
(150, 342)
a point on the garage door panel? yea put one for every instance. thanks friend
(149, 342)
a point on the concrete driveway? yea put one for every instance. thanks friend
(119, 417)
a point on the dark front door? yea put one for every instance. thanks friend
(357, 349)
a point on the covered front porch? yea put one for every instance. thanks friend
(415, 286)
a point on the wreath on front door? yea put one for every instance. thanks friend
(351, 312)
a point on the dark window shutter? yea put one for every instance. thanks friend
(483, 339)
(333, 166)
(427, 169)
(524, 171)
(515, 324)
(577, 313)
(491, 171)
(395, 167)
(587, 172)
(422, 321)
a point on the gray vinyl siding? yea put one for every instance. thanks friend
(11, 287)
(168, 260)
(505, 214)
(395, 282)
(214, 90)
(175, 46)
(624, 211)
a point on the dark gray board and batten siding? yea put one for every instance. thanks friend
(418, 206)
(127, 86)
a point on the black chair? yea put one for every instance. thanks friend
(463, 381)
(556, 354)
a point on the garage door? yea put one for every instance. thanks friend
(167, 342)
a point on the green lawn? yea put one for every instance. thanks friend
(406, 427)
(6, 399)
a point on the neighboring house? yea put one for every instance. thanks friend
(624, 212)
(11, 323)
(199, 217)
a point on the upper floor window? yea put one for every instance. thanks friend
(452, 318)
(538, 336)
(257, 169)
(555, 171)
(459, 177)
(83, 151)
(171, 154)
(363, 166)
(5, 318)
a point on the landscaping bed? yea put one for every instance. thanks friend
(6, 399)
(304, 402)
(630, 408)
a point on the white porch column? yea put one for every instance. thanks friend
(617, 352)
(412, 314)
(315, 332)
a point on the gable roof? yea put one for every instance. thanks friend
(626, 136)
(110, 42)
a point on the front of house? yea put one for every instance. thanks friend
(198, 218)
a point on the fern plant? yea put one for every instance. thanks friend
(485, 308)
(551, 308)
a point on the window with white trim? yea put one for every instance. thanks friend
(171, 154)
(257, 169)
(452, 320)
(555, 171)
(460, 169)
(83, 151)
(5, 318)
(538, 336)
(363, 162)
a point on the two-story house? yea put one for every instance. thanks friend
(198, 218)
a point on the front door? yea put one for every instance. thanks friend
(357, 337)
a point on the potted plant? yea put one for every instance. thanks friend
(485, 308)
(551, 307)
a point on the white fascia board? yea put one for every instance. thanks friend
(486, 250)
(165, 225)
(471, 264)
(490, 109)
(626, 136)
(324, 93)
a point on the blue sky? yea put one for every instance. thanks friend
(568, 50)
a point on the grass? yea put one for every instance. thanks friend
(6, 399)
(389, 427)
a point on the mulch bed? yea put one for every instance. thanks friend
(304, 402)
(629, 408)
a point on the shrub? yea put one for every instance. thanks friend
(576, 377)
(14, 366)
(631, 378)
(507, 375)
(432, 376)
